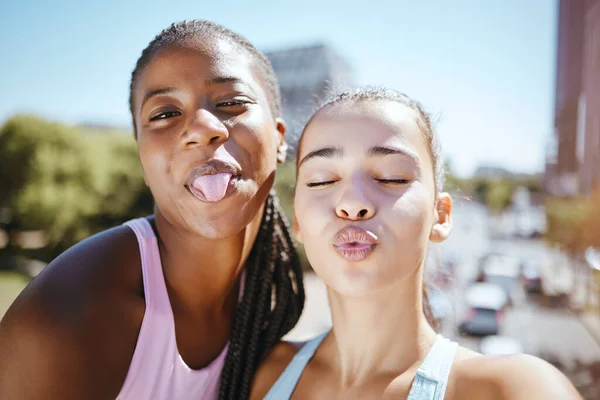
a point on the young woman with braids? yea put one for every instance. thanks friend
(368, 200)
(152, 309)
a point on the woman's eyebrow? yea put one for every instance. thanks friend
(326, 152)
(223, 79)
(155, 92)
(380, 151)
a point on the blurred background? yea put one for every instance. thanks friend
(514, 88)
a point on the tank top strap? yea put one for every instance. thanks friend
(155, 289)
(285, 385)
(141, 227)
(432, 376)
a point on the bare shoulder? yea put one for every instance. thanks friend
(506, 377)
(272, 367)
(73, 328)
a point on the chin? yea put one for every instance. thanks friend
(352, 279)
(223, 226)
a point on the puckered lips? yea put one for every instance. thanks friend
(213, 181)
(354, 243)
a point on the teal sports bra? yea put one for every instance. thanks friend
(429, 384)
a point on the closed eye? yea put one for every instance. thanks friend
(319, 184)
(165, 115)
(393, 181)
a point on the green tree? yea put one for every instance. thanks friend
(67, 184)
(564, 223)
(498, 194)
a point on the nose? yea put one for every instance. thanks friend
(205, 129)
(354, 204)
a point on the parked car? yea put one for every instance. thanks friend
(480, 322)
(500, 345)
(500, 269)
(486, 302)
(531, 277)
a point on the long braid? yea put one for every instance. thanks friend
(258, 269)
(271, 305)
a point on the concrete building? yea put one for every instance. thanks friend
(590, 100)
(573, 162)
(306, 76)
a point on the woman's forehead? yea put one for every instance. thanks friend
(363, 125)
(199, 59)
(194, 62)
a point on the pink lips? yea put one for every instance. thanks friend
(354, 243)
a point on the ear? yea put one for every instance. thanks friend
(443, 212)
(282, 146)
(296, 230)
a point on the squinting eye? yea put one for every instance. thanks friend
(393, 181)
(319, 184)
(165, 115)
(233, 103)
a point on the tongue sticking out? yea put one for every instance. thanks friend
(213, 187)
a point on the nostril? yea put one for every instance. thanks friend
(345, 213)
(214, 139)
(362, 213)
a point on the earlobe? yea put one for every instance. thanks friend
(282, 152)
(443, 226)
(282, 147)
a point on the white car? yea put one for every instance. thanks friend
(500, 345)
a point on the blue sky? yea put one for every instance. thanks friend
(485, 68)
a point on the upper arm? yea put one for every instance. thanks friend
(510, 377)
(71, 333)
(528, 377)
(40, 358)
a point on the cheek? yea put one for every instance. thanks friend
(257, 140)
(412, 216)
(313, 217)
(154, 159)
(312, 213)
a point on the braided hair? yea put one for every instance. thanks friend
(271, 305)
(273, 291)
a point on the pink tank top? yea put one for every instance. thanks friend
(157, 370)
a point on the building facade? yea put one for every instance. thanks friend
(573, 163)
(306, 76)
(590, 100)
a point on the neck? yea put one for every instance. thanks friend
(203, 274)
(385, 332)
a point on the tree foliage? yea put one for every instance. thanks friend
(67, 183)
(574, 223)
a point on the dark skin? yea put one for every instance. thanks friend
(71, 334)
